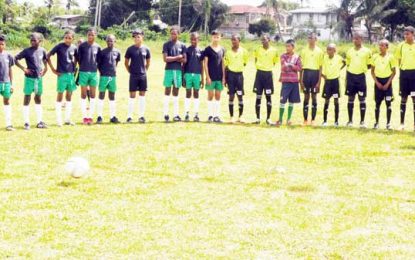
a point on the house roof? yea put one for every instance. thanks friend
(243, 9)
(68, 16)
(309, 10)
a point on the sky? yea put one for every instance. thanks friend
(311, 3)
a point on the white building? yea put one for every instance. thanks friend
(322, 21)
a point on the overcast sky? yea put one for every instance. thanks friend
(312, 3)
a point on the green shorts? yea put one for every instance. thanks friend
(5, 89)
(88, 79)
(66, 82)
(192, 80)
(216, 85)
(33, 85)
(173, 78)
(109, 83)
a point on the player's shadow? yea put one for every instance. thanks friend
(67, 184)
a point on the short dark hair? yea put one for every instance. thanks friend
(194, 34)
(312, 35)
(410, 29)
(3, 38)
(175, 28)
(91, 29)
(37, 36)
(137, 31)
(69, 32)
(237, 36)
(216, 32)
(291, 42)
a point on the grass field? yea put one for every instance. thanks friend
(190, 190)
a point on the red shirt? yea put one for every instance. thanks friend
(290, 67)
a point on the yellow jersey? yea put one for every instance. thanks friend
(358, 61)
(332, 66)
(266, 58)
(406, 54)
(312, 59)
(236, 60)
(384, 65)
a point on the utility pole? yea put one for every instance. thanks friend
(96, 13)
(180, 14)
(99, 13)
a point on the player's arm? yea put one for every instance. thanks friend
(206, 68)
(223, 73)
(11, 79)
(148, 62)
(127, 64)
(377, 83)
(170, 59)
(45, 67)
(389, 83)
(202, 82)
(49, 60)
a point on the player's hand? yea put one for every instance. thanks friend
(43, 73)
(302, 86)
(224, 82)
(11, 89)
(202, 84)
(27, 72)
(378, 85)
(208, 81)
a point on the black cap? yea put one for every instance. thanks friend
(137, 32)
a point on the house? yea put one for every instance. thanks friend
(239, 17)
(67, 21)
(322, 21)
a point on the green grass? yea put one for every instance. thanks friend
(203, 190)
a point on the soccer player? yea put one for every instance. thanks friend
(88, 77)
(266, 57)
(36, 62)
(310, 77)
(291, 67)
(332, 66)
(405, 53)
(194, 76)
(137, 62)
(66, 53)
(108, 60)
(6, 79)
(215, 75)
(174, 55)
(358, 61)
(235, 62)
(383, 72)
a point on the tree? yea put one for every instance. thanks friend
(374, 10)
(346, 18)
(263, 26)
(71, 3)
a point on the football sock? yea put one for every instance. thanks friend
(269, 106)
(26, 112)
(258, 106)
(142, 105)
(39, 112)
(8, 114)
(58, 109)
(403, 111)
(113, 108)
(290, 111)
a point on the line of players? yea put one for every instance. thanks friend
(214, 69)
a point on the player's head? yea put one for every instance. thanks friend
(290, 46)
(236, 40)
(265, 39)
(174, 33)
(194, 38)
(91, 34)
(216, 36)
(357, 39)
(110, 40)
(138, 36)
(409, 34)
(331, 49)
(35, 39)
(312, 39)
(3, 40)
(68, 37)
(383, 46)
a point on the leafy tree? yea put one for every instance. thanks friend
(71, 3)
(263, 26)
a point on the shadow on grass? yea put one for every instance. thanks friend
(408, 147)
(67, 184)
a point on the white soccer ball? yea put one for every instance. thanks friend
(77, 167)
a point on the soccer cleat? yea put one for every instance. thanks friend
(69, 123)
(166, 118)
(85, 121)
(241, 120)
(114, 120)
(142, 120)
(59, 124)
(363, 125)
(349, 124)
(41, 125)
(216, 119)
(270, 123)
(177, 119)
(129, 120)
(313, 123)
(196, 118)
(210, 119)
(324, 124)
(389, 127)
(289, 123)
(90, 121)
(26, 126)
(376, 126)
(336, 124)
(401, 127)
(10, 128)
(257, 122)
(232, 120)
(278, 123)
(305, 123)
(99, 120)
(187, 117)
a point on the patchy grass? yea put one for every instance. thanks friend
(203, 190)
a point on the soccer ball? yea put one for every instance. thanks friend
(77, 167)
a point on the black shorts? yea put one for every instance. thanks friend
(263, 83)
(138, 83)
(290, 92)
(331, 88)
(356, 84)
(235, 81)
(407, 83)
(381, 95)
(310, 80)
